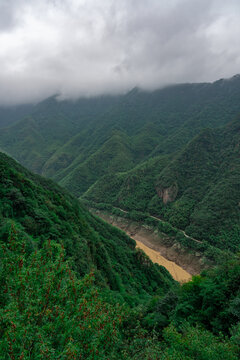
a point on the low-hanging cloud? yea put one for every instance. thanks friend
(90, 47)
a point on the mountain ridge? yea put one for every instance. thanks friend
(149, 136)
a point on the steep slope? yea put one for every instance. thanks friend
(55, 122)
(130, 190)
(48, 310)
(41, 210)
(12, 114)
(159, 122)
(199, 190)
(205, 179)
(68, 133)
(116, 154)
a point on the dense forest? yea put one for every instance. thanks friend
(75, 287)
(70, 138)
(119, 180)
(197, 191)
(172, 153)
(41, 210)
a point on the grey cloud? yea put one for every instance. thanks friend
(10, 14)
(79, 47)
(7, 16)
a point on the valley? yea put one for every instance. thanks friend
(152, 247)
(155, 263)
(190, 258)
(171, 153)
(119, 180)
(65, 272)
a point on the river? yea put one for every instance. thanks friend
(144, 243)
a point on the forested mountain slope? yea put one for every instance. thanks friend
(64, 139)
(49, 126)
(11, 114)
(172, 152)
(197, 190)
(41, 210)
(75, 287)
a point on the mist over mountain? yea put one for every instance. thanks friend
(119, 180)
(79, 48)
(131, 150)
(12, 114)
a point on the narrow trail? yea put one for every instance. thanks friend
(163, 221)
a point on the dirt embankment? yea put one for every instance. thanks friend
(178, 261)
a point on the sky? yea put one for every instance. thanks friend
(80, 48)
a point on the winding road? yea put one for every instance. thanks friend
(163, 221)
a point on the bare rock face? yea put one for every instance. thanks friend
(168, 194)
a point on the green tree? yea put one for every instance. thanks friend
(46, 312)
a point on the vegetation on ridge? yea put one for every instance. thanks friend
(75, 287)
(42, 210)
(144, 151)
(51, 306)
(197, 191)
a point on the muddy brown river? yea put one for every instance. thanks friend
(177, 272)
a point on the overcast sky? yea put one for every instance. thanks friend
(90, 47)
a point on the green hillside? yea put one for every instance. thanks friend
(197, 190)
(74, 287)
(40, 210)
(12, 114)
(172, 153)
(114, 155)
(48, 126)
(62, 139)
(161, 122)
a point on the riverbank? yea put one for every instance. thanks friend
(177, 261)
